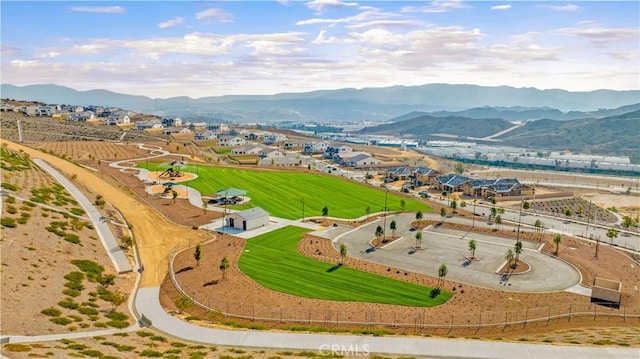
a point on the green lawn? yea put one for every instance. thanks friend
(273, 260)
(280, 193)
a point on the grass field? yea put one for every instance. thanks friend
(281, 193)
(273, 261)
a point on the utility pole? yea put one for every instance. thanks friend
(384, 225)
(473, 225)
(519, 218)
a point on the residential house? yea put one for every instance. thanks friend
(422, 176)
(271, 153)
(205, 135)
(36, 110)
(172, 122)
(146, 125)
(82, 116)
(449, 183)
(272, 138)
(246, 150)
(175, 130)
(231, 141)
(118, 118)
(315, 147)
(362, 160)
(197, 126)
(504, 187)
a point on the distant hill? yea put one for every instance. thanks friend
(368, 104)
(424, 127)
(614, 134)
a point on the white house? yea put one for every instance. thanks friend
(271, 153)
(174, 130)
(361, 160)
(247, 220)
(315, 147)
(143, 125)
(205, 135)
(82, 117)
(231, 141)
(172, 122)
(246, 150)
(195, 126)
(118, 118)
(39, 110)
(273, 138)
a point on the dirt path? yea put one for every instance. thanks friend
(155, 235)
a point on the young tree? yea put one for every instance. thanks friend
(611, 234)
(204, 206)
(454, 205)
(419, 239)
(517, 249)
(472, 248)
(393, 226)
(343, 253)
(508, 256)
(459, 168)
(325, 211)
(627, 222)
(368, 211)
(442, 273)
(224, 265)
(402, 204)
(117, 299)
(379, 231)
(538, 225)
(494, 211)
(443, 213)
(557, 239)
(526, 205)
(499, 220)
(419, 215)
(174, 194)
(197, 255)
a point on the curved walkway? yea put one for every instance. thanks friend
(146, 307)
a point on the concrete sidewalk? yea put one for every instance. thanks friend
(148, 304)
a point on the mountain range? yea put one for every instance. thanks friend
(367, 104)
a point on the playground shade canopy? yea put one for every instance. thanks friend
(169, 184)
(231, 192)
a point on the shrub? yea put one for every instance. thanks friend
(52, 312)
(12, 347)
(92, 353)
(90, 268)
(100, 325)
(144, 334)
(77, 211)
(74, 276)
(87, 311)
(158, 338)
(68, 303)
(9, 186)
(12, 210)
(150, 353)
(61, 320)
(8, 222)
(24, 218)
(72, 238)
(107, 280)
(10, 199)
(119, 316)
(120, 324)
(71, 292)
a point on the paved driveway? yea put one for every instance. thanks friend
(450, 247)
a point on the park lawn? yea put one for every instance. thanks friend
(281, 193)
(273, 261)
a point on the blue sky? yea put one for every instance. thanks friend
(198, 49)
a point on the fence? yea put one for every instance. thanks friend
(415, 319)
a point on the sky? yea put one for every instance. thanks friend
(164, 49)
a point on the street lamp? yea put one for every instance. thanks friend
(384, 232)
(473, 223)
(519, 218)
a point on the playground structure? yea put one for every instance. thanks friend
(175, 170)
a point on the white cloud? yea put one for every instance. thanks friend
(171, 23)
(215, 13)
(321, 6)
(632, 55)
(7, 50)
(387, 24)
(438, 6)
(367, 13)
(600, 35)
(567, 7)
(501, 7)
(99, 9)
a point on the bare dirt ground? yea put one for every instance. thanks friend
(35, 261)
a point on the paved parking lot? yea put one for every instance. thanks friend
(451, 247)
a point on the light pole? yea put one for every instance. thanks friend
(384, 224)
(519, 217)
(473, 223)
(302, 200)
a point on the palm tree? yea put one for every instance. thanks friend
(224, 265)
(419, 239)
(197, 255)
(442, 273)
(325, 211)
(509, 256)
(517, 250)
(472, 248)
(393, 226)
(557, 239)
(343, 253)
